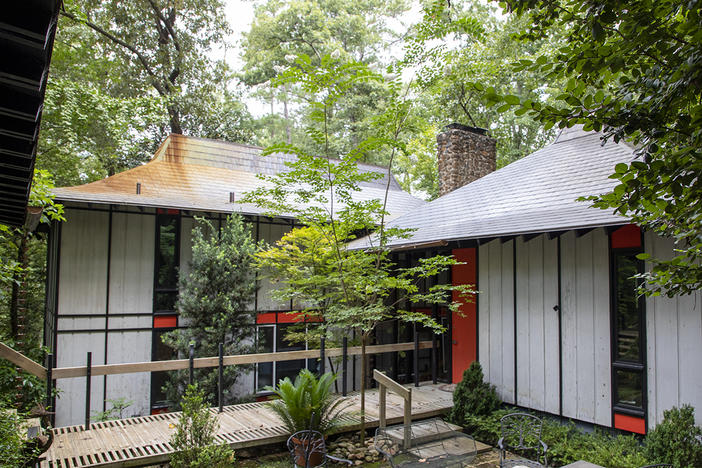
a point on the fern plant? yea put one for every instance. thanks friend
(308, 403)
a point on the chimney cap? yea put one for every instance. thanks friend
(466, 128)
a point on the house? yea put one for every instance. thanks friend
(113, 265)
(557, 325)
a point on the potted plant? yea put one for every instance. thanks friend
(308, 404)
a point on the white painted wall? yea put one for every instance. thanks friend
(131, 292)
(496, 316)
(674, 345)
(586, 327)
(537, 324)
(81, 290)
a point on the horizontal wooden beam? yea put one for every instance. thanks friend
(22, 361)
(235, 360)
(393, 386)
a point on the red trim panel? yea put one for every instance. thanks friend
(169, 211)
(465, 332)
(629, 423)
(626, 237)
(268, 317)
(159, 411)
(165, 321)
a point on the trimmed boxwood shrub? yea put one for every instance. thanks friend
(676, 439)
(473, 396)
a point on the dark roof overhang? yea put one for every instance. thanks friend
(27, 30)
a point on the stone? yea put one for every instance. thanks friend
(464, 154)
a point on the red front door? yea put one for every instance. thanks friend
(464, 330)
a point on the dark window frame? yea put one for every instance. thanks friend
(627, 365)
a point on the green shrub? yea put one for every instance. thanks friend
(193, 442)
(676, 439)
(14, 453)
(308, 403)
(473, 396)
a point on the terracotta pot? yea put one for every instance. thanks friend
(315, 458)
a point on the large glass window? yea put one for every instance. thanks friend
(166, 262)
(272, 339)
(628, 345)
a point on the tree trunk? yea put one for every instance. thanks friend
(362, 435)
(285, 114)
(174, 119)
(18, 299)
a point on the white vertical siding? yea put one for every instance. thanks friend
(131, 292)
(674, 345)
(537, 324)
(496, 316)
(82, 290)
(585, 325)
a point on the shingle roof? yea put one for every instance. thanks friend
(535, 194)
(198, 174)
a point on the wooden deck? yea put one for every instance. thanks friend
(145, 440)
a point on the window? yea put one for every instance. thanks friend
(166, 262)
(271, 339)
(628, 329)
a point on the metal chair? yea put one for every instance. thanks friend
(522, 432)
(308, 450)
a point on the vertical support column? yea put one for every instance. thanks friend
(433, 359)
(416, 357)
(408, 419)
(191, 364)
(88, 373)
(49, 381)
(381, 410)
(321, 355)
(220, 375)
(344, 365)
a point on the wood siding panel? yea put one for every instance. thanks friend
(82, 290)
(496, 304)
(537, 336)
(130, 347)
(674, 346)
(585, 325)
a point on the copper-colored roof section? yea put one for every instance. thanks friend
(197, 174)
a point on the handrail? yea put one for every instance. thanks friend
(177, 364)
(22, 361)
(385, 383)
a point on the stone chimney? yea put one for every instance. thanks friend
(465, 154)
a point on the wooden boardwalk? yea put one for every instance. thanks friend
(145, 440)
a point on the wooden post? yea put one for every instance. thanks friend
(87, 390)
(433, 359)
(344, 365)
(321, 356)
(381, 411)
(408, 420)
(49, 381)
(191, 364)
(220, 374)
(416, 357)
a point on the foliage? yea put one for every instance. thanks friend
(676, 439)
(463, 43)
(347, 289)
(214, 301)
(193, 441)
(13, 451)
(566, 443)
(308, 403)
(115, 411)
(632, 70)
(355, 30)
(473, 396)
(22, 273)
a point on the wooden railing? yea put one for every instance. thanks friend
(50, 374)
(385, 383)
